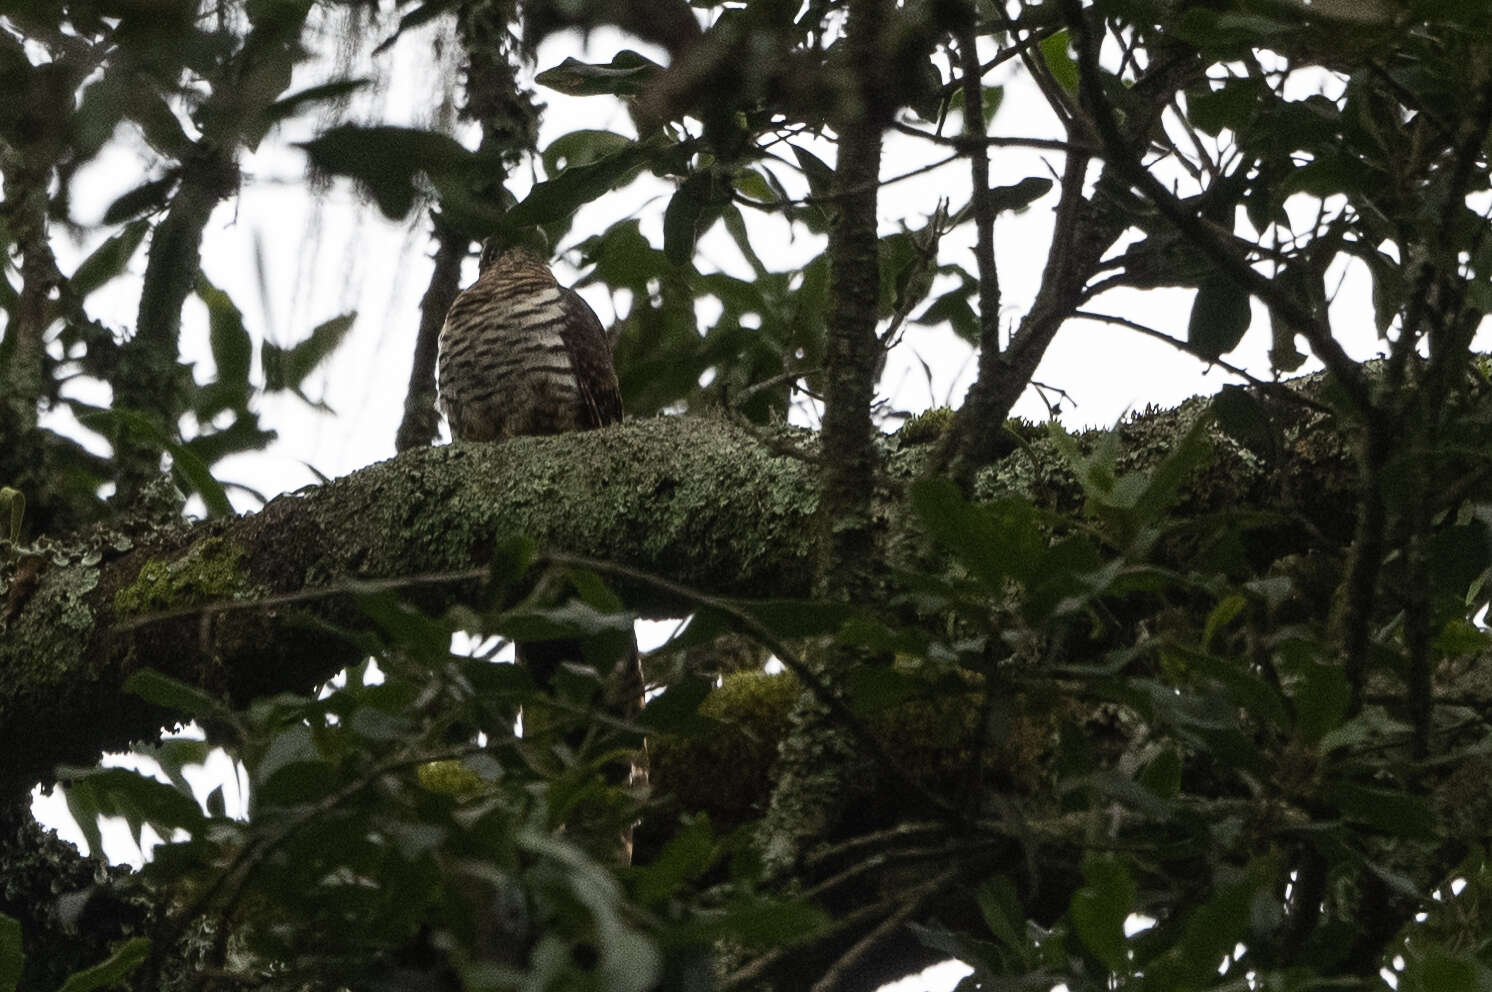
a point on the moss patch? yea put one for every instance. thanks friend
(211, 570)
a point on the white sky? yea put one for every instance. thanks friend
(337, 253)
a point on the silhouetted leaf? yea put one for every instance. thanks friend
(146, 198)
(386, 160)
(1245, 420)
(109, 259)
(288, 106)
(422, 14)
(676, 710)
(681, 221)
(559, 197)
(1230, 106)
(232, 348)
(954, 308)
(287, 368)
(1021, 195)
(820, 177)
(139, 799)
(1220, 315)
(194, 471)
(625, 75)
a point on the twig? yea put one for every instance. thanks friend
(984, 212)
(853, 191)
(1118, 154)
(919, 897)
(420, 423)
(790, 659)
(965, 142)
(1265, 385)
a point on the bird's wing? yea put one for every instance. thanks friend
(590, 357)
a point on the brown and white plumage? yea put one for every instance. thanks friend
(520, 354)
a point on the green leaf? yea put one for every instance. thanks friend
(193, 470)
(1435, 968)
(756, 922)
(1244, 419)
(877, 688)
(112, 970)
(1322, 698)
(138, 798)
(1220, 315)
(1230, 106)
(688, 854)
(1021, 195)
(109, 259)
(1220, 617)
(681, 221)
(820, 177)
(171, 694)
(571, 619)
(1000, 905)
(385, 160)
(288, 106)
(581, 147)
(1163, 482)
(1239, 907)
(1099, 909)
(232, 348)
(1058, 62)
(559, 197)
(406, 626)
(143, 199)
(287, 368)
(1162, 773)
(625, 75)
(995, 542)
(796, 618)
(12, 956)
(1391, 810)
(676, 709)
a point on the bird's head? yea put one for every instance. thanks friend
(532, 250)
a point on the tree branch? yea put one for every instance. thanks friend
(642, 494)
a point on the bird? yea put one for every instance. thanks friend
(522, 355)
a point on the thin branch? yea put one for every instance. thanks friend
(967, 142)
(847, 193)
(984, 211)
(919, 897)
(1272, 388)
(790, 659)
(1210, 242)
(421, 423)
(1004, 55)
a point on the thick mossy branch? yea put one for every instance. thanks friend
(702, 502)
(697, 500)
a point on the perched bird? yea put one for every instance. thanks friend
(520, 354)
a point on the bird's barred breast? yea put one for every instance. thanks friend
(505, 369)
